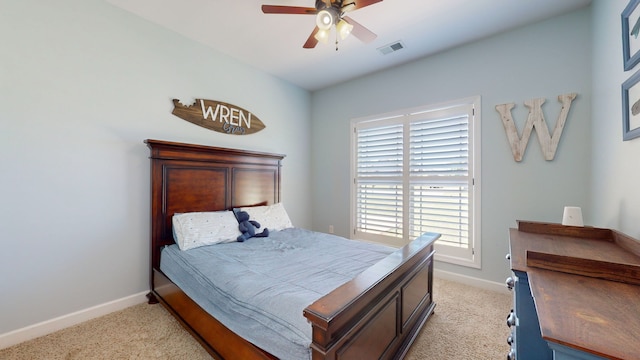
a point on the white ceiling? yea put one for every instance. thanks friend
(273, 42)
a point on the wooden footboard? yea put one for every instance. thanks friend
(378, 314)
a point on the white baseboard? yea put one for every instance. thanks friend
(59, 323)
(472, 281)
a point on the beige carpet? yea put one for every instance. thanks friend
(469, 323)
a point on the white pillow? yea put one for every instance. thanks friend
(195, 229)
(273, 217)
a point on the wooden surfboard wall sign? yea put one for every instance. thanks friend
(218, 116)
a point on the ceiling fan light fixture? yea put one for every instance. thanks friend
(325, 19)
(344, 29)
(329, 14)
(322, 36)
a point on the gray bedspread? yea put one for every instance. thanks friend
(259, 288)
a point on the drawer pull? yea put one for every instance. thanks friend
(511, 319)
(510, 282)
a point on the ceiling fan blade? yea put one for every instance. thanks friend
(360, 4)
(365, 35)
(281, 9)
(312, 41)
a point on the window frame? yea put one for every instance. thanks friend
(470, 257)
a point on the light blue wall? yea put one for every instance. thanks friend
(616, 164)
(542, 60)
(82, 84)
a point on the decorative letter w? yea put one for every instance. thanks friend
(548, 143)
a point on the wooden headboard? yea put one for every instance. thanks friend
(187, 178)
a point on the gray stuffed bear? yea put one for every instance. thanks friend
(248, 227)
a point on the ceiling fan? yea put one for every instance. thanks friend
(329, 13)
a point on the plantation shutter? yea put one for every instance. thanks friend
(439, 178)
(379, 186)
(414, 173)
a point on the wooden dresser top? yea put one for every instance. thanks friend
(584, 282)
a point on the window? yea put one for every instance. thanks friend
(418, 171)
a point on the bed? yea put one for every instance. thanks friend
(375, 315)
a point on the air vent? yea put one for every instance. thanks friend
(393, 47)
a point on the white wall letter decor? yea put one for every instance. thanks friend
(548, 143)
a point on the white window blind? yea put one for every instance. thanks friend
(379, 186)
(414, 173)
(439, 168)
